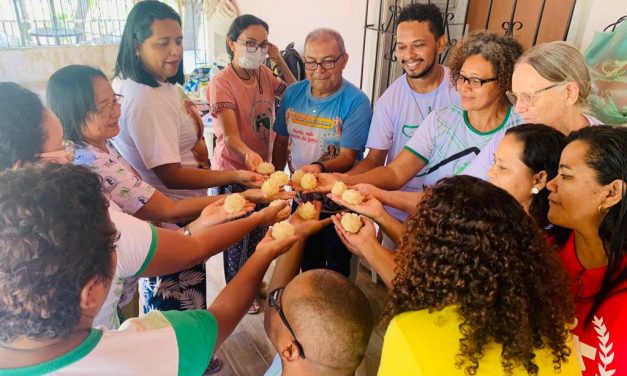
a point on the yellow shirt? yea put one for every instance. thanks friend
(420, 343)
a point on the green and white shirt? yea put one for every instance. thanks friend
(447, 143)
(135, 249)
(160, 343)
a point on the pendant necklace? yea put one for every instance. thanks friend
(413, 95)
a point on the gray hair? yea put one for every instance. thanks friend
(323, 34)
(560, 62)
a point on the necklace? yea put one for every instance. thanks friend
(254, 75)
(435, 97)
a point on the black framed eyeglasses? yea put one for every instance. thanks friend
(474, 82)
(325, 64)
(252, 46)
(274, 300)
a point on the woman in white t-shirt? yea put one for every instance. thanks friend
(159, 138)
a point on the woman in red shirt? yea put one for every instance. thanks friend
(588, 196)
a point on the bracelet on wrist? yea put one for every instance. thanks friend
(322, 168)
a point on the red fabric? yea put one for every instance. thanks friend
(602, 344)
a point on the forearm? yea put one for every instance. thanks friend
(341, 163)
(235, 299)
(176, 252)
(363, 166)
(196, 178)
(235, 144)
(382, 261)
(392, 228)
(287, 73)
(279, 153)
(382, 177)
(401, 200)
(287, 266)
(191, 207)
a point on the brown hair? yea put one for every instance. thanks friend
(501, 52)
(472, 246)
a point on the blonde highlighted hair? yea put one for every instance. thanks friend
(560, 62)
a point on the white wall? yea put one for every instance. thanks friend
(291, 20)
(31, 67)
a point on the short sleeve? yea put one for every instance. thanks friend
(422, 142)
(397, 358)
(483, 162)
(356, 124)
(220, 94)
(196, 336)
(280, 124)
(155, 132)
(136, 245)
(278, 86)
(120, 182)
(381, 133)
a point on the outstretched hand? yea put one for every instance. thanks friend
(308, 227)
(370, 207)
(276, 247)
(214, 213)
(356, 243)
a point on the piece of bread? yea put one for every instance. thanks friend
(234, 203)
(351, 222)
(351, 196)
(308, 181)
(270, 187)
(307, 210)
(297, 175)
(338, 189)
(286, 211)
(282, 230)
(265, 168)
(280, 178)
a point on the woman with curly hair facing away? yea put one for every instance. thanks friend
(477, 291)
(449, 139)
(588, 197)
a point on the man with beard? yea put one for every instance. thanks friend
(425, 87)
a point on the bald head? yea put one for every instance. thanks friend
(332, 316)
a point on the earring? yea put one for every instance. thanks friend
(602, 209)
(535, 191)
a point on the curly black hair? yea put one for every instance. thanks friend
(21, 133)
(55, 237)
(502, 53)
(470, 244)
(423, 13)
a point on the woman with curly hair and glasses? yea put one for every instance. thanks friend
(477, 291)
(449, 139)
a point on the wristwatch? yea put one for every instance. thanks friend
(322, 168)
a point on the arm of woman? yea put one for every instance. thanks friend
(275, 54)
(162, 208)
(175, 176)
(391, 177)
(365, 244)
(175, 252)
(233, 140)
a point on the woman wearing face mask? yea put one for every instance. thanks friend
(550, 85)
(242, 99)
(588, 197)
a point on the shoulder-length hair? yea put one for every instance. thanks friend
(138, 28)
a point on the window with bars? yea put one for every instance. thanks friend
(32, 23)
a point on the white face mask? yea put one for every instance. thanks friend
(252, 60)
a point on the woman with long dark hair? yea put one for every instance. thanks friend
(588, 197)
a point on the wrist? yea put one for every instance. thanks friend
(320, 165)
